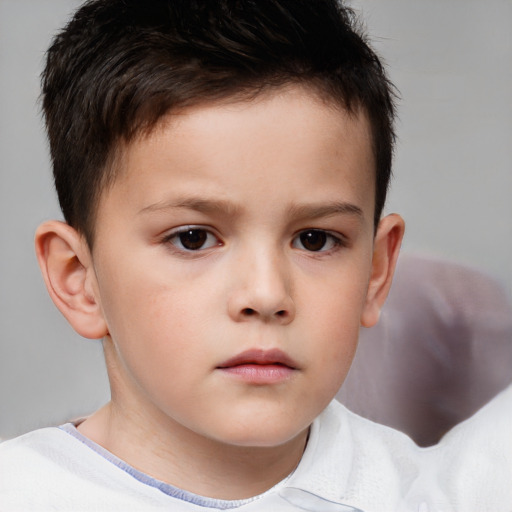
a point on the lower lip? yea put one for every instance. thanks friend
(260, 373)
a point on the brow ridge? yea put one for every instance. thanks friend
(199, 204)
(220, 206)
(316, 211)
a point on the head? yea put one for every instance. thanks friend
(222, 168)
(120, 67)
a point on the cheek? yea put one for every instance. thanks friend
(334, 320)
(156, 342)
(337, 345)
(145, 313)
(159, 322)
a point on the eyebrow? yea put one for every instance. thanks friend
(202, 205)
(316, 211)
(216, 206)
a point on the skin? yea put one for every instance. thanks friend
(279, 193)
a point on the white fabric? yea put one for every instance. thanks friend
(473, 462)
(349, 462)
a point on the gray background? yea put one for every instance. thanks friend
(451, 60)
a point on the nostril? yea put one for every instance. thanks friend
(246, 312)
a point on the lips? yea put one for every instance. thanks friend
(260, 366)
(260, 357)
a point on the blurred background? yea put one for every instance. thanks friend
(451, 61)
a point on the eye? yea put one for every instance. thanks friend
(193, 239)
(316, 240)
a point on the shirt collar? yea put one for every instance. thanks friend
(320, 480)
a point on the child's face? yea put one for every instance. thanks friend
(232, 260)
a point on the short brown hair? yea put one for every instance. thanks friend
(119, 66)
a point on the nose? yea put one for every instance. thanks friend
(262, 290)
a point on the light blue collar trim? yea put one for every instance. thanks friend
(304, 489)
(168, 489)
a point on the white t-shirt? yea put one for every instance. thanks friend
(350, 463)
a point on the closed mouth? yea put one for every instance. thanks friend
(274, 357)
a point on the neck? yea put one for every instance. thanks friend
(170, 452)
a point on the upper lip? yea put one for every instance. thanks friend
(260, 356)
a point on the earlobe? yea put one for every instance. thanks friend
(66, 265)
(385, 254)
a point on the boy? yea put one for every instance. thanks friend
(222, 168)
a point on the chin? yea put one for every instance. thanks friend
(262, 433)
(263, 441)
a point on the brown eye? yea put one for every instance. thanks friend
(313, 239)
(318, 240)
(193, 239)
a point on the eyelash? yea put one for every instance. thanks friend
(202, 234)
(336, 241)
(168, 239)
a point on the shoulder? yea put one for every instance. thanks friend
(36, 464)
(477, 457)
(367, 438)
(28, 449)
(25, 463)
(355, 461)
(49, 469)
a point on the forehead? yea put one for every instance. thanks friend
(290, 138)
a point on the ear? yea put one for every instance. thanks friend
(66, 265)
(385, 254)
